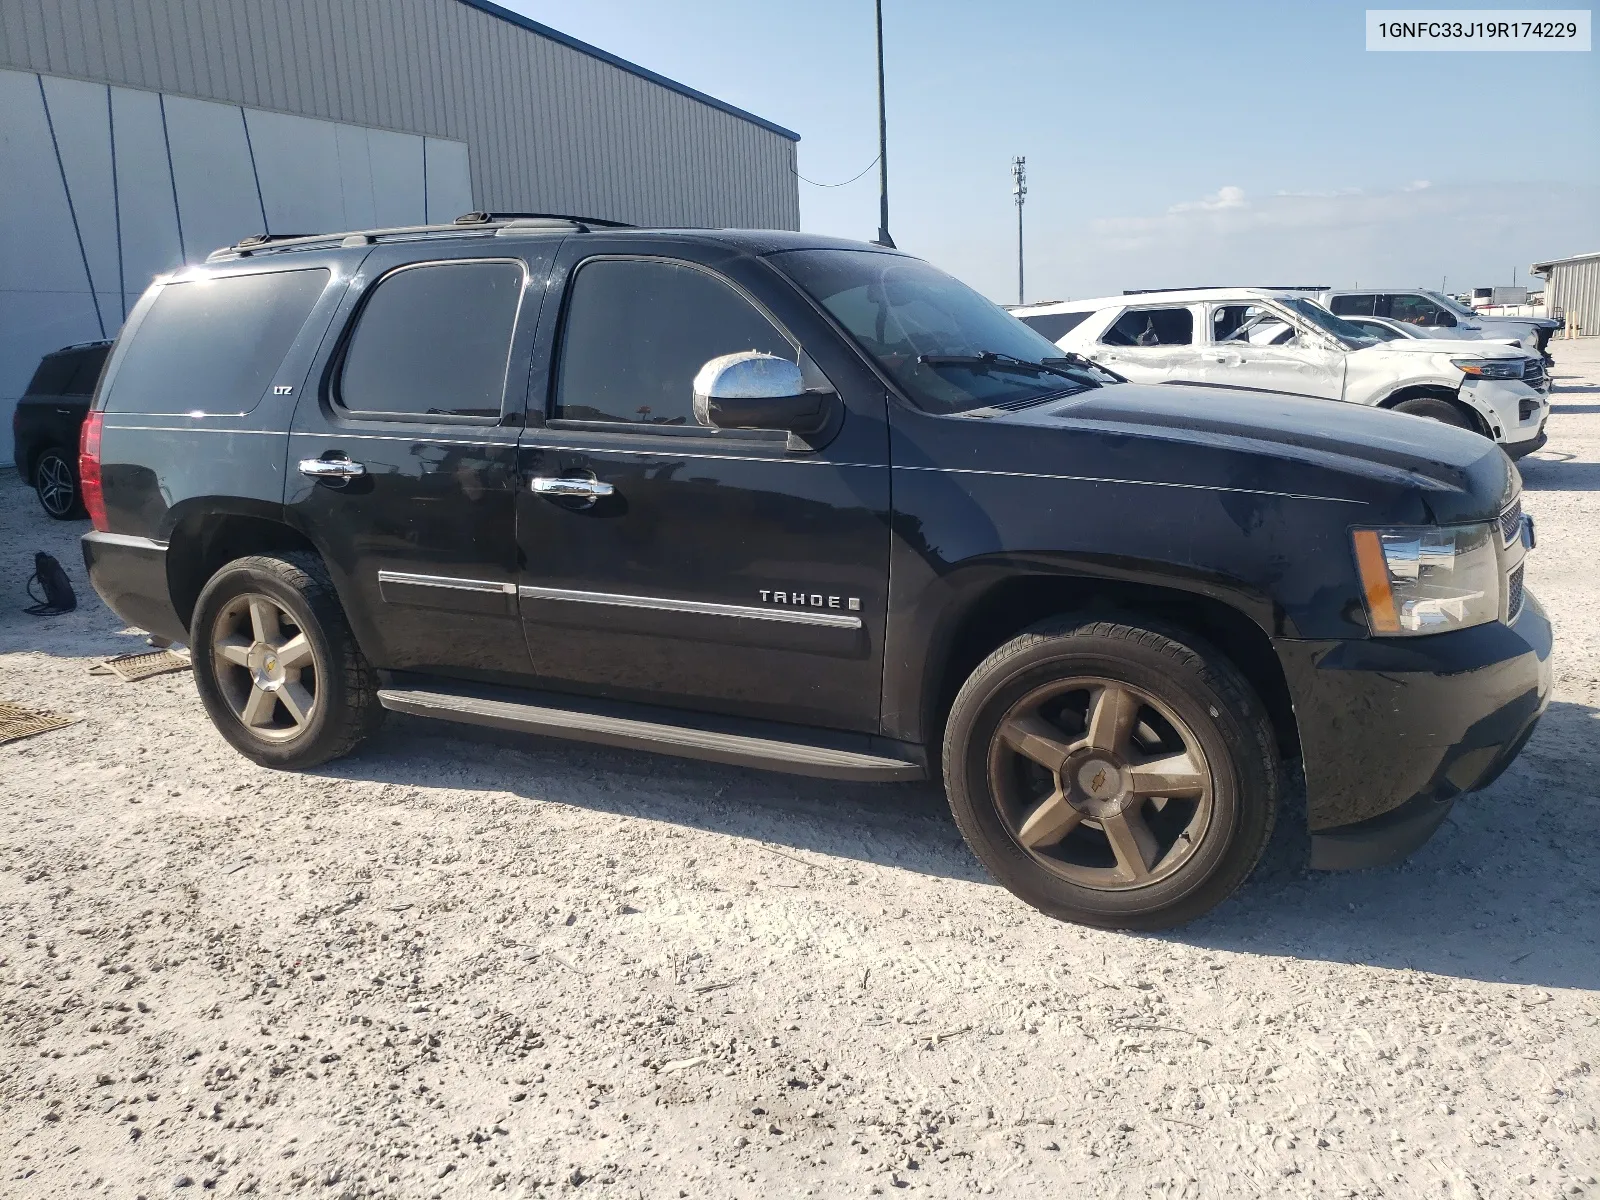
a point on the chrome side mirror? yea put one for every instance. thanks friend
(752, 390)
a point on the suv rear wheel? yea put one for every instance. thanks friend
(1112, 774)
(276, 666)
(55, 479)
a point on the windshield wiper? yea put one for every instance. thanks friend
(995, 358)
(1073, 359)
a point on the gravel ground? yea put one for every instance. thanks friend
(448, 966)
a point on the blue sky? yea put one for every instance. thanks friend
(1168, 143)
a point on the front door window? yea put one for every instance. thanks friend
(637, 331)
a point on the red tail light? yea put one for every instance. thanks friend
(94, 498)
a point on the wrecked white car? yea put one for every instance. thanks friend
(1281, 341)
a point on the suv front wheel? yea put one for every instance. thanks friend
(1112, 774)
(276, 665)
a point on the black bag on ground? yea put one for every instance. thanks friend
(58, 594)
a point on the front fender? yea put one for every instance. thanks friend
(983, 601)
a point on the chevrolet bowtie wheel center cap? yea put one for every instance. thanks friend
(1100, 787)
(265, 668)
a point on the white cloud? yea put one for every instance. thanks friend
(1228, 197)
(1412, 233)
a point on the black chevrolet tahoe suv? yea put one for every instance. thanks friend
(814, 506)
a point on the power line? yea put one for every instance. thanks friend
(851, 180)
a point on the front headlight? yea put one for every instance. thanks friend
(1428, 579)
(1489, 368)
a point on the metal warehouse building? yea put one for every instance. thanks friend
(1573, 286)
(136, 135)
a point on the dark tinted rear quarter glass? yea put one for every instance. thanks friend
(87, 365)
(433, 340)
(1353, 306)
(53, 375)
(211, 345)
(1055, 326)
(636, 333)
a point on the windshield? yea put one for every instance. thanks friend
(1348, 335)
(1454, 305)
(939, 340)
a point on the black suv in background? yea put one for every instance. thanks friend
(809, 505)
(46, 424)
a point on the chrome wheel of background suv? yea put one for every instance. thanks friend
(55, 479)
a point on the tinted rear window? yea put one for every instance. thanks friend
(87, 365)
(1055, 326)
(211, 345)
(433, 341)
(1344, 306)
(52, 377)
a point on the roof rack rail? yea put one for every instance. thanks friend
(474, 223)
(262, 239)
(485, 218)
(1222, 287)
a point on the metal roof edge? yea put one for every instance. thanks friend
(683, 89)
(1541, 265)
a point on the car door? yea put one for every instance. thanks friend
(1259, 347)
(1152, 344)
(402, 464)
(738, 571)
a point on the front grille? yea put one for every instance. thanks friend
(1533, 373)
(1514, 593)
(1511, 522)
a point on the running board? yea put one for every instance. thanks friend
(607, 724)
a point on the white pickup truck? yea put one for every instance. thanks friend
(1281, 341)
(1435, 311)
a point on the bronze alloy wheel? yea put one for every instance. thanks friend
(1100, 783)
(265, 667)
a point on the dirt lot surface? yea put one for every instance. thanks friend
(446, 967)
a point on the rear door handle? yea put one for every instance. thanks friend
(571, 486)
(331, 468)
(1227, 360)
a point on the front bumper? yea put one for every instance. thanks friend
(1393, 730)
(1516, 411)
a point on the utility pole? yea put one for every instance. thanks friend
(883, 147)
(1019, 189)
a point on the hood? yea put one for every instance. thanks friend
(1507, 322)
(1468, 475)
(1459, 347)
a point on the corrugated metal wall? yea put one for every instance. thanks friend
(103, 187)
(1574, 287)
(550, 128)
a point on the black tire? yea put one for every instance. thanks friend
(55, 482)
(1207, 700)
(343, 704)
(1437, 408)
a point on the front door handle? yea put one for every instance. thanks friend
(570, 486)
(331, 468)
(1226, 359)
